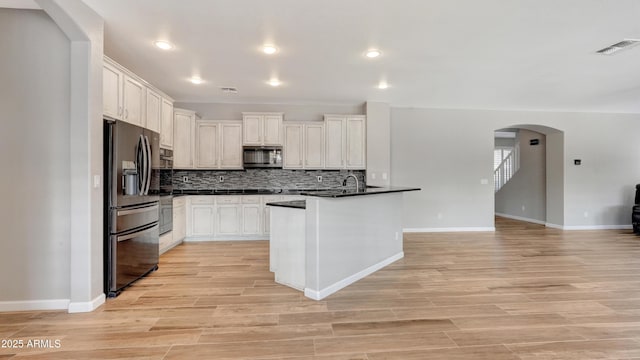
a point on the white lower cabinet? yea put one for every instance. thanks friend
(251, 220)
(227, 217)
(228, 220)
(166, 241)
(201, 216)
(179, 219)
(251, 215)
(266, 211)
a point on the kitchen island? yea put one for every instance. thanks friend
(335, 237)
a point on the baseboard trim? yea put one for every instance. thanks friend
(227, 238)
(451, 229)
(29, 305)
(87, 306)
(595, 227)
(319, 295)
(521, 218)
(554, 226)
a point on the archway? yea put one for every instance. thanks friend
(552, 214)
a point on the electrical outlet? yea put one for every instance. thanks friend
(221, 178)
(185, 179)
(319, 177)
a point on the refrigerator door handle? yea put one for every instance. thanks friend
(136, 234)
(142, 165)
(148, 147)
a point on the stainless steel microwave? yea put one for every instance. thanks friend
(262, 156)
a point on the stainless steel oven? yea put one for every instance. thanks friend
(166, 214)
(166, 191)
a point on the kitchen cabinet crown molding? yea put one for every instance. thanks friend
(133, 75)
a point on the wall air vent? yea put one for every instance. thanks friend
(622, 45)
(229, 90)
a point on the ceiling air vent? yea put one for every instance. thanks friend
(229, 90)
(622, 45)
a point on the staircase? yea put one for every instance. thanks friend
(507, 168)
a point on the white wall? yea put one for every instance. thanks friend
(448, 152)
(555, 177)
(292, 112)
(524, 195)
(34, 155)
(378, 144)
(85, 29)
(51, 138)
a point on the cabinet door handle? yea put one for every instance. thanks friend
(119, 110)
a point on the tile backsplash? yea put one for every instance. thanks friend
(264, 179)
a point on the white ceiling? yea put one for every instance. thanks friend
(489, 54)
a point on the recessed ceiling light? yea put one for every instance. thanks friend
(274, 82)
(196, 80)
(269, 49)
(373, 53)
(164, 45)
(383, 85)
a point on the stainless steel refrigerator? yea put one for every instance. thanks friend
(132, 182)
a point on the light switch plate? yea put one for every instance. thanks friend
(96, 181)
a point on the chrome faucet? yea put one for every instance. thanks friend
(344, 182)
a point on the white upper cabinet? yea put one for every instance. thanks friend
(125, 96)
(345, 141)
(314, 146)
(262, 129)
(356, 142)
(303, 145)
(207, 144)
(293, 151)
(166, 126)
(230, 145)
(183, 136)
(153, 110)
(133, 104)
(252, 129)
(218, 144)
(112, 80)
(272, 130)
(335, 142)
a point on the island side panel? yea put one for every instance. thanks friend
(348, 238)
(287, 246)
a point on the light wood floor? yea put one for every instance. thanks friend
(523, 292)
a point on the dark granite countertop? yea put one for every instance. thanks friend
(369, 190)
(295, 204)
(333, 193)
(243, 191)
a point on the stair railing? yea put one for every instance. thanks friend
(507, 168)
